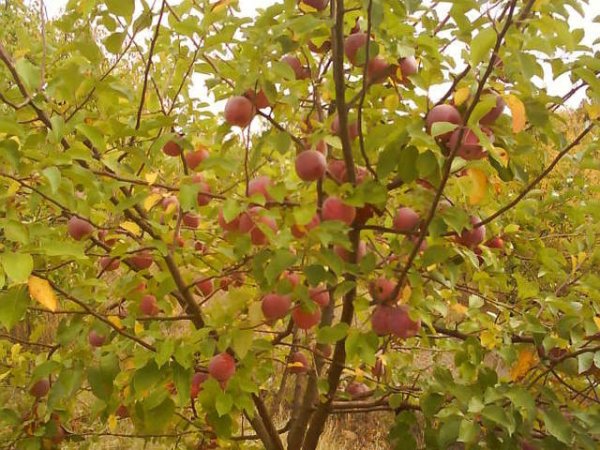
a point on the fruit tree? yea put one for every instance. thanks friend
(219, 231)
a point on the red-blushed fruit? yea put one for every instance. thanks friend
(292, 278)
(205, 286)
(357, 390)
(335, 209)
(275, 306)
(346, 254)
(122, 412)
(443, 113)
(479, 254)
(200, 247)
(141, 260)
(239, 111)
(222, 367)
(79, 229)
(337, 170)
(494, 113)
(352, 45)
(378, 369)
(109, 263)
(196, 387)
(380, 323)
(148, 305)
(406, 219)
(260, 185)
(495, 242)
(40, 388)
(96, 339)
(301, 72)
(172, 148)
(300, 231)
(325, 350)
(204, 190)
(319, 5)
(298, 363)
(259, 99)
(319, 295)
(170, 203)
(195, 158)
(400, 323)
(250, 222)
(352, 127)
(228, 226)
(474, 236)
(381, 290)
(191, 220)
(378, 70)
(406, 67)
(306, 319)
(180, 241)
(469, 147)
(310, 165)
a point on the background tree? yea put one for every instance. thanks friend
(333, 240)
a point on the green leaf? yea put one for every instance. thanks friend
(30, 74)
(114, 42)
(16, 232)
(94, 135)
(101, 377)
(53, 176)
(332, 334)
(13, 306)
(481, 45)
(18, 266)
(146, 378)
(182, 378)
(241, 342)
(557, 425)
(159, 417)
(123, 8)
(223, 403)
(281, 260)
(165, 349)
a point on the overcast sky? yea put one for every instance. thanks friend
(555, 87)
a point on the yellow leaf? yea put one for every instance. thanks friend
(307, 8)
(479, 181)
(360, 374)
(461, 96)
(517, 109)
(527, 359)
(539, 3)
(391, 102)
(138, 328)
(220, 5)
(132, 228)
(501, 155)
(488, 339)
(597, 321)
(151, 177)
(459, 309)
(112, 422)
(593, 110)
(41, 291)
(151, 201)
(116, 321)
(406, 293)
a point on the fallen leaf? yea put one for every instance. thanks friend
(41, 291)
